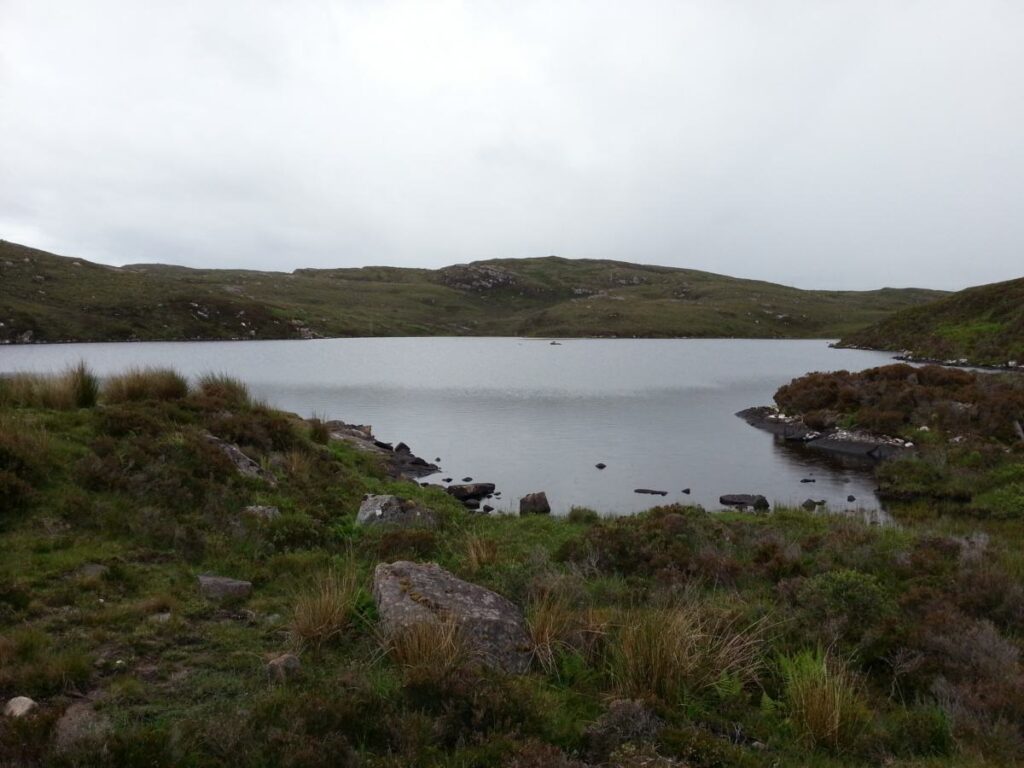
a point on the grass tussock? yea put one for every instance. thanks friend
(223, 390)
(686, 648)
(76, 387)
(554, 628)
(429, 652)
(823, 700)
(138, 384)
(480, 553)
(319, 432)
(325, 610)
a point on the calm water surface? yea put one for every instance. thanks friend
(530, 416)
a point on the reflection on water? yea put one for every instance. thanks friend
(530, 416)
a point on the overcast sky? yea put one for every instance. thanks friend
(820, 143)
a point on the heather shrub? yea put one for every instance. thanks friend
(845, 602)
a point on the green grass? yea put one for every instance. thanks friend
(59, 299)
(679, 609)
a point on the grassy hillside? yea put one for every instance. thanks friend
(54, 298)
(673, 639)
(982, 325)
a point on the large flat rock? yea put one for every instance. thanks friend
(412, 593)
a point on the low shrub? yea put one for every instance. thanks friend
(583, 515)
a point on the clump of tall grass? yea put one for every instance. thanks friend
(223, 390)
(76, 387)
(823, 700)
(325, 610)
(480, 552)
(145, 384)
(554, 628)
(319, 432)
(429, 652)
(685, 648)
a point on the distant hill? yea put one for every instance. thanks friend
(44, 297)
(982, 325)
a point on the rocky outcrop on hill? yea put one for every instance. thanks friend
(399, 460)
(391, 510)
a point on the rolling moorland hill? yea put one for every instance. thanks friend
(983, 325)
(44, 297)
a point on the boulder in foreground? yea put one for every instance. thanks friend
(413, 593)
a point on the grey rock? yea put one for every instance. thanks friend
(743, 500)
(284, 668)
(222, 588)
(260, 512)
(245, 466)
(93, 571)
(534, 504)
(19, 706)
(392, 510)
(408, 594)
(80, 724)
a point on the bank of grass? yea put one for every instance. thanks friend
(751, 640)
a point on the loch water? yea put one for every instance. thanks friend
(532, 415)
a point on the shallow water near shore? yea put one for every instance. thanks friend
(529, 415)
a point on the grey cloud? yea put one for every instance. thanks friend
(841, 144)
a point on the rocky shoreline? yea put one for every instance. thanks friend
(850, 443)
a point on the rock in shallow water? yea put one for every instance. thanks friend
(470, 491)
(757, 501)
(534, 504)
(413, 593)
